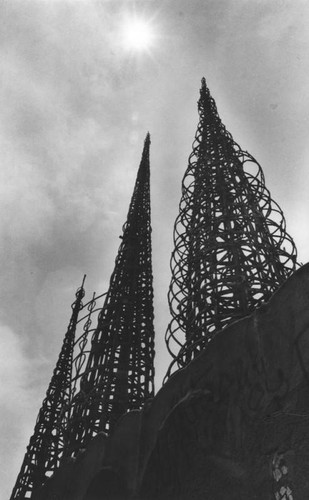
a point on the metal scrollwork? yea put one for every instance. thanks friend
(232, 250)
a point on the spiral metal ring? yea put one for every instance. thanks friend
(231, 250)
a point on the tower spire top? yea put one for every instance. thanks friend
(203, 82)
(207, 109)
(145, 154)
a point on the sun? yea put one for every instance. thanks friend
(137, 34)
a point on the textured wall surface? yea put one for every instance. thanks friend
(241, 430)
(234, 424)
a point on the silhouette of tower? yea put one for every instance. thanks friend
(46, 445)
(119, 375)
(231, 247)
(119, 371)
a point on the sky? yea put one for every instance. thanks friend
(76, 104)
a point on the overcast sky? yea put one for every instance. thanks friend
(75, 109)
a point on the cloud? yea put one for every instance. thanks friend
(59, 116)
(17, 397)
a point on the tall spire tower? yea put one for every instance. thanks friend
(231, 247)
(119, 375)
(46, 445)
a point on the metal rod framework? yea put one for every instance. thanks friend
(119, 373)
(46, 446)
(106, 370)
(232, 250)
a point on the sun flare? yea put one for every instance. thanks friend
(138, 34)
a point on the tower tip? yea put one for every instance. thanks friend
(147, 139)
(204, 93)
(203, 86)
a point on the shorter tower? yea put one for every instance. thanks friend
(46, 446)
(119, 374)
(231, 247)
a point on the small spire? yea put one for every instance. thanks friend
(203, 89)
(80, 293)
(45, 449)
(147, 143)
(206, 104)
(145, 154)
(147, 140)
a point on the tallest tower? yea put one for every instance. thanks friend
(119, 374)
(231, 247)
(105, 371)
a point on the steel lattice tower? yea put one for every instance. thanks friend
(231, 247)
(119, 375)
(46, 445)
